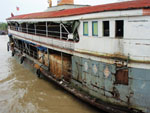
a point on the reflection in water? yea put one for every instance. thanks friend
(22, 92)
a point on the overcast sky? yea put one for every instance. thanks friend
(28, 6)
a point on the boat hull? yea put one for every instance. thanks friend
(95, 83)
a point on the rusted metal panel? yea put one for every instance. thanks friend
(104, 82)
(95, 79)
(76, 68)
(112, 67)
(86, 72)
(60, 67)
(109, 86)
(123, 91)
(122, 76)
(101, 83)
(118, 93)
(107, 78)
(139, 80)
(85, 65)
(95, 68)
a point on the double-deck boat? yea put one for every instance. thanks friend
(101, 54)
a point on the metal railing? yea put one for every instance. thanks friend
(27, 51)
(40, 32)
(49, 38)
(58, 69)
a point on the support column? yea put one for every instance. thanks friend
(48, 59)
(23, 47)
(27, 27)
(46, 30)
(35, 27)
(60, 31)
(29, 50)
(20, 27)
(61, 64)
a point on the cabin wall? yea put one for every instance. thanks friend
(137, 28)
(135, 43)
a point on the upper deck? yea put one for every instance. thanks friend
(111, 32)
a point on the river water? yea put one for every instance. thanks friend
(22, 92)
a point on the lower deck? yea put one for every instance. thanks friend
(103, 83)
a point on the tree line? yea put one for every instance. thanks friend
(3, 26)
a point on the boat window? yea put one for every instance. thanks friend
(105, 28)
(119, 28)
(85, 28)
(94, 28)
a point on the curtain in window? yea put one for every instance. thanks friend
(95, 28)
(85, 28)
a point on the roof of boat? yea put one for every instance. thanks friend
(128, 5)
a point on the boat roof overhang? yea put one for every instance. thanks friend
(130, 8)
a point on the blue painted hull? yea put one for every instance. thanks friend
(90, 76)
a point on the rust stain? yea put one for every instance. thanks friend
(120, 63)
(122, 76)
(140, 61)
(60, 67)
(36, 66)
(113, 56)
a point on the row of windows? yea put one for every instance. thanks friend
(119, 32)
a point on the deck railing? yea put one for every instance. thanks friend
(41, 37)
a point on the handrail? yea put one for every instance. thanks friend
(55, 41)
(34, 54)
(36, 32)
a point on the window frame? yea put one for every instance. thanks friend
(86, 22)
(93, 28)
(108, 28)
(116, 29)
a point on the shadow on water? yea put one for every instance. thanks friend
(22, 92)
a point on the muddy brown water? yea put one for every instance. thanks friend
(22, 92)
